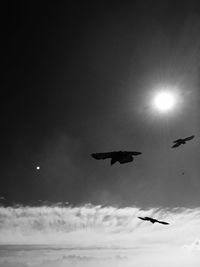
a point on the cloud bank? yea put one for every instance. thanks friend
(98, 236)
(97, 226)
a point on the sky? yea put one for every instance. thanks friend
(79, 78)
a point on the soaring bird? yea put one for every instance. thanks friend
(152, 220)
(180, 141)
(120, 156)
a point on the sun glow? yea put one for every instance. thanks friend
(164, 101)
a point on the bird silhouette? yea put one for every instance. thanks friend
(182, 141)
(120, 156)
(152, 220)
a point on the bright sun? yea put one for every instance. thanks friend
(164, 101)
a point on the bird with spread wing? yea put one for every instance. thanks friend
(182, 141)
(152, 220)
(120, 156)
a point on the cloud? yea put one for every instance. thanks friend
(96, 226)
(98, 236)
(60, 257)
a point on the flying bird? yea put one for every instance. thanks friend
(152, 220)
(180, 141)
(120, 156)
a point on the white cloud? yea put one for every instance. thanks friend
(60, 257)
(98, 236)
(89, 225)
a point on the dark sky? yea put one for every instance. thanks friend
(77, 79)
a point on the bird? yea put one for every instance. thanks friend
(120, 156)
(182, 141)
(152, 220)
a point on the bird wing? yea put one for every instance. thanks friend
(189, 138)
(135, 153)
(178, 140)
(162, 222)
(125, 159)
(105, 155)
(176, 145)
(147, 218)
